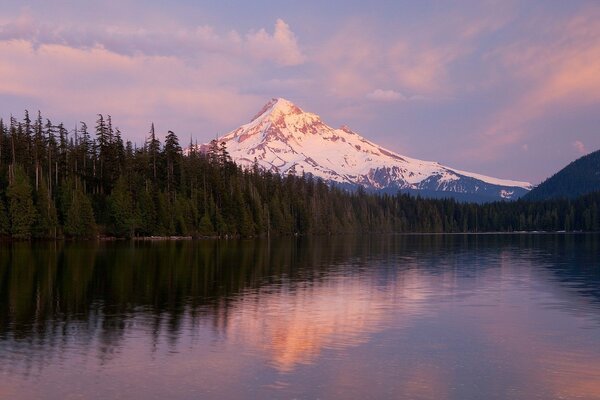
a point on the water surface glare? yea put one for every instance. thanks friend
(389, 317)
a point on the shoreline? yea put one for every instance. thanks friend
(235, 237)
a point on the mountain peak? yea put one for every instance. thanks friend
(283, 138)
(278, 106)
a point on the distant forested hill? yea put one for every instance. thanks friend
(580, 177)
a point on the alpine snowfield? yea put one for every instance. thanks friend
(284, 139)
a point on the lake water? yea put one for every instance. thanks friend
(391, 317)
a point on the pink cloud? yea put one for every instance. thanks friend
(280, 47)
(385, 95)
(183, 79)
(558, 69)
(580, 147)
(66, 82)
(416, 61)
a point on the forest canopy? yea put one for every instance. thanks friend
(84, 182)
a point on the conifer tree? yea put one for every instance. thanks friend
(153, 145)
(21, 210)
(146, 210)
(4, 221)
(38, 146)
(80, 221)
(213, 152)
(122, 211)
(46, 224)
(206, 227)
(172, 152)
(102, 148)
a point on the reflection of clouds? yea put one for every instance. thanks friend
(7, 392)
(425, 382)
(294, 326)
(550, 363)
(571, 376)
(505, 325)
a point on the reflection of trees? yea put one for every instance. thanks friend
(53, 292)
(46, 284)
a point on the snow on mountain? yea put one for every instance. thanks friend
(284, 139)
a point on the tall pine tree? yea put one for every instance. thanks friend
(21, 210)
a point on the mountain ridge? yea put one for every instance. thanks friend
(282, 138)
(578, 178)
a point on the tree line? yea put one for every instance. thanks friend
(80, 183)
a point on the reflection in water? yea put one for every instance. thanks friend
(441, 316)
(330, 314)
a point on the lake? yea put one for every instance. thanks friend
(375, 317)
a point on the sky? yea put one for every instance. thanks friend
(510, 89)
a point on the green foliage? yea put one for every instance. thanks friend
(4, 221)
(68, 184)
(46, 224)
(20, 205)
(580, 177)
(146, 210)
(80, 216)
(122, 211)
(205, 227)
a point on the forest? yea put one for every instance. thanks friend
(87, 183)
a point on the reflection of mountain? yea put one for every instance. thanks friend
(295, 324)
(291, 298)
(489, 316)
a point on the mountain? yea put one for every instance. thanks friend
(580, 177)
(284, 139)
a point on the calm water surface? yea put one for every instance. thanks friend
(415, 317)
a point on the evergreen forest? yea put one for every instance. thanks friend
(580, 177)
(88, 182)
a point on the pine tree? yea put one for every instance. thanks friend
(80, 221)
(146, 209)
(206, 227)
(38, 149)
(153, 145)
(123, 213)
(224, 157)
(20, 205)
(213, 152)
(4, 221)
(172, 152)
(102, 149)
(46, 224)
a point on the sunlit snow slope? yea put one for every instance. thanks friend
(284, 139)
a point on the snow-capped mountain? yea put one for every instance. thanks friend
(284, 139)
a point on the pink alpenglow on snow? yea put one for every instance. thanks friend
(282, 138)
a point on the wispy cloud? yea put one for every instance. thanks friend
(180, 79)
(580, 147)
(416, 60)
(385, 95)
(555, 65)
(495, 80)
(75, 82)
(280, 47)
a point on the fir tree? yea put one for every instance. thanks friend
(80, 221)
(122, 210)
(46, 224)
(172, 152)
(146, 209)
(153, 145)
(21, 210)
(206, 227)
(4, 221)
